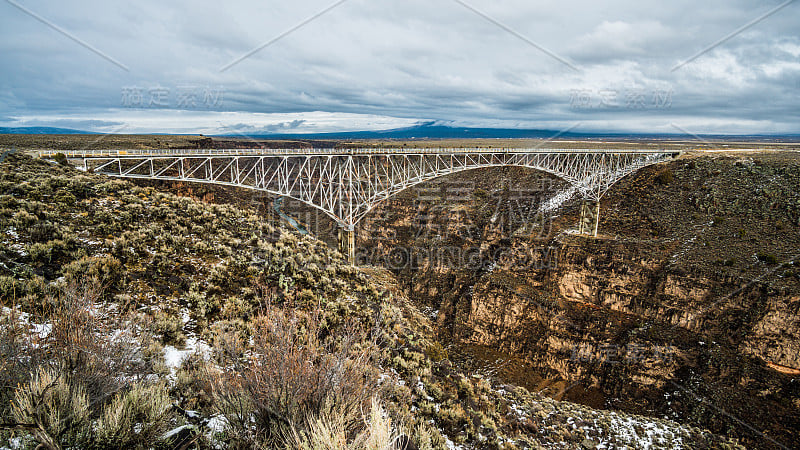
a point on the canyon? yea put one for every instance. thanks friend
(685, 307)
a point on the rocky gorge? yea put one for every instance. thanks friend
(685, 307)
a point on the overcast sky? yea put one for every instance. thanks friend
(281, 66)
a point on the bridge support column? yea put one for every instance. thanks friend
(347, 243)
(590, 217)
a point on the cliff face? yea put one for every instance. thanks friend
(596, 278)
(689, 297)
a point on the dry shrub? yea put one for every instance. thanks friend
(107, 269)
(53, 408)
(379, 434)
(101, 350)
(135, 418)
(291, 377)
(328, 433)
(20, 357)
(76, 376)
(57, 411)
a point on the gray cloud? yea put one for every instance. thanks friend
(243, 128)
(84, 124)
(413, 60)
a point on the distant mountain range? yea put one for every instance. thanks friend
(41, 130)
(424, 131)
(431, 130)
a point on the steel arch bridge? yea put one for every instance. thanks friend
(347, 184)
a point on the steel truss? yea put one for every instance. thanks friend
(347, 184)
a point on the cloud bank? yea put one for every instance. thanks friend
(260, 67)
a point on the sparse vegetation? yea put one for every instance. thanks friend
(665, 176)
(280, 343)
(767, 258)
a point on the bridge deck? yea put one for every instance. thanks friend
(336, 152)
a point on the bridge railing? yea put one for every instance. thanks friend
(123, 153)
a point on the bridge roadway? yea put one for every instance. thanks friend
(347, 183)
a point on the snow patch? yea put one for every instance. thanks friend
(217, 423)
(174, 357)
